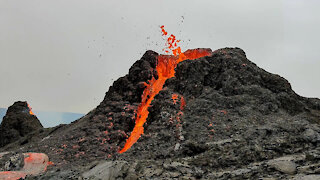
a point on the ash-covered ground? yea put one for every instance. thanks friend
(220, 117)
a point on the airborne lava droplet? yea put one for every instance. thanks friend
(166, 69)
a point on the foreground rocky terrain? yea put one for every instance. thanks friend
(220, 117)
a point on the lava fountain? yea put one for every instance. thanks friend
(166, 65)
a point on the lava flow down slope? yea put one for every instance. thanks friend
(198, 114)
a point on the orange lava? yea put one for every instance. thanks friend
(166, 69)
(174, 98)
(12, 175)
(224, 112)
(34, 164)
(30, 110)
(183, 103)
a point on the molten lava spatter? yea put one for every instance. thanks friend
(34, 164)
(174, 98)
(166, 65)
(30, 110)
(182, 103)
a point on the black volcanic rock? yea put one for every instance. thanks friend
(231, 120)
(130, 87)
(17, 123)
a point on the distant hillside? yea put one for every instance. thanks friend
(50, 119)
(2, 113)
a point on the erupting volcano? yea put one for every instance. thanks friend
(197, 114)
(165, 67)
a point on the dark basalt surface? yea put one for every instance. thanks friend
(239, 122)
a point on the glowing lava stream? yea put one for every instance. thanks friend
(166, 69)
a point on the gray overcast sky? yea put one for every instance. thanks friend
(62, 55)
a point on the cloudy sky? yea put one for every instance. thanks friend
(62, 55)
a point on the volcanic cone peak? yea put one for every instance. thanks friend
(229, 73)
(219, 97)
(18, 122)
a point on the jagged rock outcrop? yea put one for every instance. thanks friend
(17, 123)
